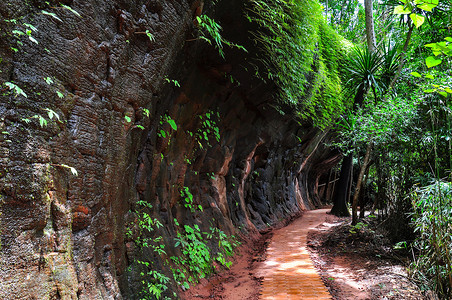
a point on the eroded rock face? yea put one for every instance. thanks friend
(64, 236)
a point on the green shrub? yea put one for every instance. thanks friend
(197, 257)
(432, 219)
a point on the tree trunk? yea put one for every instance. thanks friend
(402, 57)
(342, 11)
(340, 208)
(359, 183)
(341, 195)
(327, 185)
(350, 184)
(359, 98)
(370, 31)
(362, 198)
(332, 188)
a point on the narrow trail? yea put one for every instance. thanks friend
(288, 272)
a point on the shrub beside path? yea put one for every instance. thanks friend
(288, 272)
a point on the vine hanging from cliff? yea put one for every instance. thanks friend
(301, 54)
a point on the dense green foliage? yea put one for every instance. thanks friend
(302, 55)
(409, 126)
(432, 219)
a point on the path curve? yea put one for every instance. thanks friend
(288, 272)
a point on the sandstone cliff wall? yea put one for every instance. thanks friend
(64, 236)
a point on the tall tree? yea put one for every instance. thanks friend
(370, 30)
(364, 73)
(372, 47)
(363, 68)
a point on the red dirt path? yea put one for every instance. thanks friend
(288, 272)
(348, 273)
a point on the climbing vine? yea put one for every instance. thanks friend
(154, 283)
(196, 259)
(19, 31)
(302, 55)
(200, 252)
(210, 31)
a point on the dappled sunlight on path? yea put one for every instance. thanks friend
(288, 272)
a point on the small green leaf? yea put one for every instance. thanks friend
(17, 32)
(449, 39)
(400, 10)
(418, 20)
(73, 170)
(140, 126)
(128, 119)
(51, 15)
(71, 10)
(48, 80)
(429, 76)
(33, 39)
(52, 114)
(42, 121)
(172, 124)
(431, 45)
(60, 94)
(443, 94)
(150, 36)
(17, 90)
(30, 26)
(431, 61)
(427, 6)
(416, 74)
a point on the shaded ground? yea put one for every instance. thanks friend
(238, 283)
(359, 263)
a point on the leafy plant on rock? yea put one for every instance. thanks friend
(210, 31)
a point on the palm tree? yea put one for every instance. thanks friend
(391, 62)
(364, 72)
(364, 76)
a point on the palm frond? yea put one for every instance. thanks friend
(364, 69)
